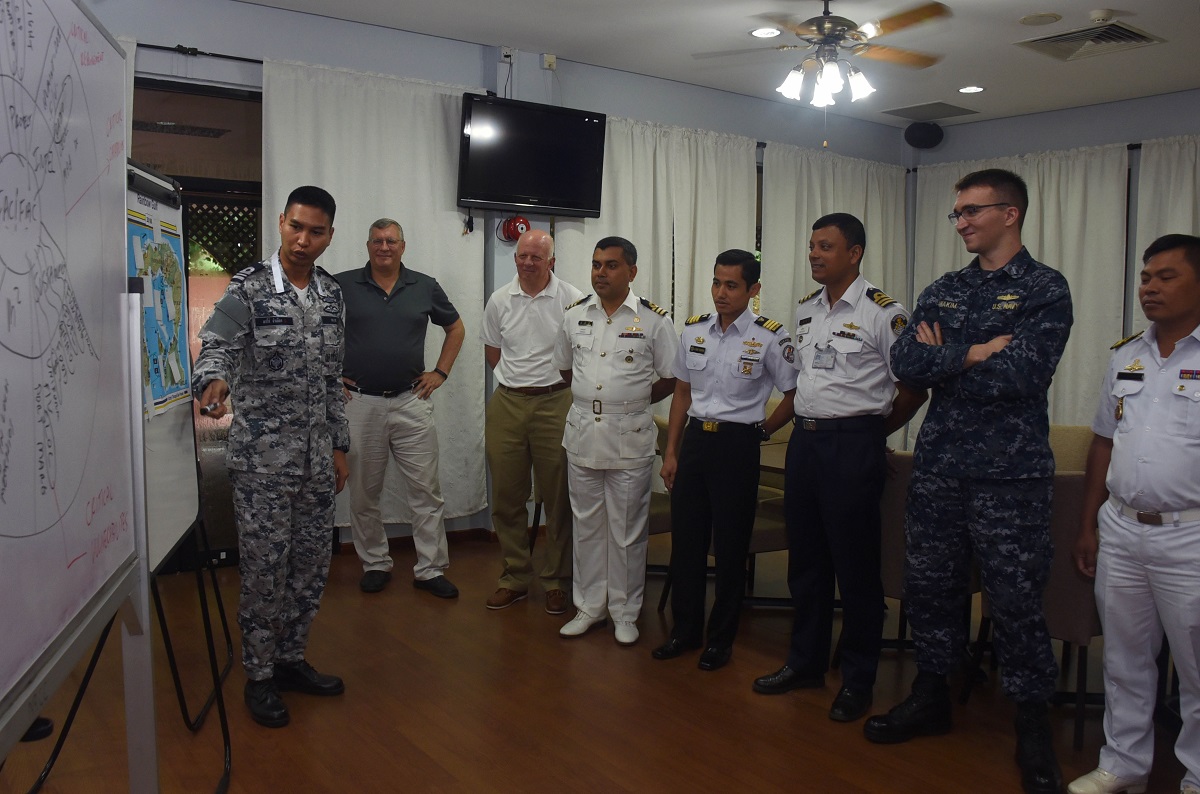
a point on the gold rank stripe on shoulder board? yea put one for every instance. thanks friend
(811, 295)
(581, 300)
(697, 318)
(881, 298)
(1126, 341)
(769, 324)
(654, 308)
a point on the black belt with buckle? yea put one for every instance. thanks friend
(720, 427)
(851, 424)
(375, 392)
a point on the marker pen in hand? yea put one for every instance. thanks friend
(208, 409)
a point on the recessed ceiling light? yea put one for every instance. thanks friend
(1048, 18)
(765, 33)
(970, 89)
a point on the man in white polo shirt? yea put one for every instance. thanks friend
(525, 418)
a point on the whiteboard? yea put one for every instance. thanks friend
(155, 254)
(66, 482)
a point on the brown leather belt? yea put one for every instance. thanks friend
(534, 391)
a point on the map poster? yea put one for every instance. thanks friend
(156, 256)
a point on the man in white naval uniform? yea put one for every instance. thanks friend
(612, 347)
(1140, 529)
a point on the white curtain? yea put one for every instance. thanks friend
(679, 195)
(1168, 198)
(1076, 225)
(801, 185)
(386, 147)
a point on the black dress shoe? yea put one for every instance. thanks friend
(439, 585)
(672, 648)
(374, 581)
(850, 704)
(925, 712)
(301, 677)
(41, 728)
(714, 658)
(1040, 773)
(266, 707)
(785, 679)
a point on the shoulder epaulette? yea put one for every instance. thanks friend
(880, 297)
(811, 295)
(245, 272)
(652, 307)
(1126, 340)
(770, 325)
(581, 300)
(697, 318)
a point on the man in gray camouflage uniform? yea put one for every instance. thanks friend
(276, 340)
(987, 340)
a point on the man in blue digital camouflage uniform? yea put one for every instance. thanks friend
(986, 339)
(275, 340)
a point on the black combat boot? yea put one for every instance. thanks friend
(1040, 773)
(925, 712)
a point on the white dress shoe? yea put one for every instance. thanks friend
(581, 624)
(625, 632)
(1100, 781)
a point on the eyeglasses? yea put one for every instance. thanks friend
(972, 210)
(382, 241)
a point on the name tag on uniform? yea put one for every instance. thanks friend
(1131, 375)
(695, 349)
(823, 357)
(631, 335)
(261, 321)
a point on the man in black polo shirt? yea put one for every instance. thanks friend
(388, 309)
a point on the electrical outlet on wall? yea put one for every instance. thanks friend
(549, 62)
(507, 54)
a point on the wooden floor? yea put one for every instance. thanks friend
(448, 696)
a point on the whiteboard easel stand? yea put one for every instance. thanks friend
(200, 536)
(135, 614)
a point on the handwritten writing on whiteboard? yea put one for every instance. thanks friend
(66, 499)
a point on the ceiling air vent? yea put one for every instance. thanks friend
(930, 111)
(1096, 40)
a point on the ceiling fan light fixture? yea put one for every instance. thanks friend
(831, 77)
(792, 84)
(765, 33)
(860, 87)
(822, 97)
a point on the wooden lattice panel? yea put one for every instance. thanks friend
(227, 228)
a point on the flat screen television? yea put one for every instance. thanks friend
(526, 157)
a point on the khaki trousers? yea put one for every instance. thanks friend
(524, 433)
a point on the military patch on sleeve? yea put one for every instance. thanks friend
(697, 318)
(769, 324)
(811, 295)
(899, 323)
(581, 300)
(789, 353)
(654, 308)
(880, 297)
(242, 274)
(1126, 340)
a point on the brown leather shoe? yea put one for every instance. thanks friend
(556, 602)
(504, 598)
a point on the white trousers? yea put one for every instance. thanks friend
(1147, 581)
(612, 511)
(402, 428)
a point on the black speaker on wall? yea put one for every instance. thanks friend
(923, 135)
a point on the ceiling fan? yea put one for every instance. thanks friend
(828, 33)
